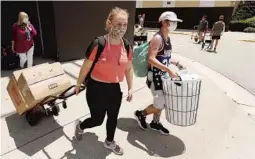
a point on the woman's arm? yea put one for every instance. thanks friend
(129, 75)
(32, 30)
(86, 66)
(177, 64)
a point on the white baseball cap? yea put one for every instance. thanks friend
(169, 16)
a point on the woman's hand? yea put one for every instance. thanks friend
(130, 96)
(13, 50)
(171, 73)
(77, 89)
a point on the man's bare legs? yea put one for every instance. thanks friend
(201, 37)
(151, 110)
(155, 123)
(211, 47)
(216, 44)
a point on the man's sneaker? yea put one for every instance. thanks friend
(140, 118)
(78, 132)
(157, 126)
(114, 147)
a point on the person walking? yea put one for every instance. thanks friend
(217, 31)
(159, 60)
(103, 93)
(202, 28)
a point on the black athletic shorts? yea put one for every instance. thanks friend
(216, 37)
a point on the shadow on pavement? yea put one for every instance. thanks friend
(155, 143)
(23, 134)
(89, 148)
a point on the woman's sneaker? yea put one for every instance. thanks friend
(157, 126)
(141, 119)
(78, 131)
(114, 147)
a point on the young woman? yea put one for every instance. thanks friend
(103, 89)
(23, 33)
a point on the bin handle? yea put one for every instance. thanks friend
(177, 81)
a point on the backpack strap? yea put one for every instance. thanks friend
(100, 49)
(100, 42)
(127, 45)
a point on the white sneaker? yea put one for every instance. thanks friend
(78, 132)
(114, 147)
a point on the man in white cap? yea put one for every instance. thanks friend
(159, 61)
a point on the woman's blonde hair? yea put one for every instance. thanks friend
(22, 15)
(114, 12)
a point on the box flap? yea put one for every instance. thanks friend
(17, 73)
(39, 74)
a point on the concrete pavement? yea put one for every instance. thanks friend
(235, 58)
(223, 129)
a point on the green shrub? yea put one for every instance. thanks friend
(250, 20)
(249, 30)
(240, 25)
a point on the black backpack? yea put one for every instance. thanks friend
(9, 60)
(100, 42)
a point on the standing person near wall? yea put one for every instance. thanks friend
(159, 61)
(141, 19)
(202, 27)
(103, 93)
(23, 33)
(217, 31)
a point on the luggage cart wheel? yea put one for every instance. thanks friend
(64, 105)
(30, 119)
(55, 110)
(35, 115)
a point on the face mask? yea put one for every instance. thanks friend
(118, 32)
(172, 27)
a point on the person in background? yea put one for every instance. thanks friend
(159, 60)
(217, 31)
(141, 19)
(202, 28)
(23, 33)
(103, 93)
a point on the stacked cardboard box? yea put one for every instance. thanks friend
(29, 86)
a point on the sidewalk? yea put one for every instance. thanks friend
(223, 129)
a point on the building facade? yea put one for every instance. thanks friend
(65, 28)
(190, 11)
(181, 3)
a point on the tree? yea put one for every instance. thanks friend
(245, 9)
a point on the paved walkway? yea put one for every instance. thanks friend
(223, 129)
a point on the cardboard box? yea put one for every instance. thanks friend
(14, 92)
(35, 84)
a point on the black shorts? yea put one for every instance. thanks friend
(216, 37)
